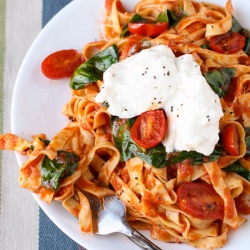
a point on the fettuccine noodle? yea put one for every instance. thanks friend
(149, 193)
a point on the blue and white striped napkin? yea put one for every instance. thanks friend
(23, 225)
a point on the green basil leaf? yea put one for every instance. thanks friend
(219, 79)
(93, 69)
(53, 171)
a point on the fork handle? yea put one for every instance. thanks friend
(140, 240)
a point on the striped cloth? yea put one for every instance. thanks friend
(23, 225)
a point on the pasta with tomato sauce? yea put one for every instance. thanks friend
(180, 196)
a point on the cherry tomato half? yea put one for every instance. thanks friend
(149, 128)
(147, 29)
(230, 42)
(200, 200)
(230, 140)
(61, 63)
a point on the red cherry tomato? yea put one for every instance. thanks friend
(149, 128)
(230, 140)
(230, 42)
(147, 29)
(61, 63)
(200, 200)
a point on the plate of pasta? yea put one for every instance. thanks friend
(156, 112)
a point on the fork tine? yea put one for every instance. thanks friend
(96, 205)
(108, 216)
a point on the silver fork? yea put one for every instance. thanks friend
(108, 215)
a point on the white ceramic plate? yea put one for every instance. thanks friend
(38, 101)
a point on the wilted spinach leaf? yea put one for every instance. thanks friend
(120, 129)
(219, 79)
(236, 27)
(53, 171)
(195, 157)
(93, 69)
(172, 18)
(238, 169)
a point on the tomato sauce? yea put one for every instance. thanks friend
(31, 170)
(75, 211)
(243, 203)
(215, 177)
(150, 183)
(232, 92)
(230, 205)
(125, 175)
(8, 139)
(240, 108)
(195, 26)
(185, 169)
(116, 183)
(62, 191)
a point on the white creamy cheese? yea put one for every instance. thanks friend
(156, 79)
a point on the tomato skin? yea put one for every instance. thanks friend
(200, 200)
(230, 42)
(147, 29)
(230, 139)
(61, 63)
(149, 128)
